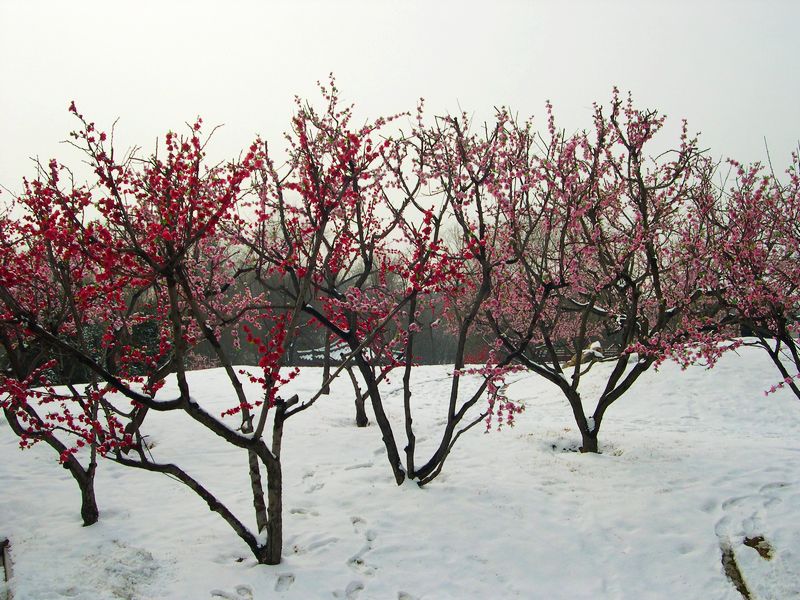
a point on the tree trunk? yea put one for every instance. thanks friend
(588, 428)
(272, 550)
(257, 489)
(83, 477)
(409, 421)
(380, 417)
(361, 412)
(270, 553)
(326, 365)
(89, 510)
(589, 442)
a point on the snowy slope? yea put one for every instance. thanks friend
(691, 460)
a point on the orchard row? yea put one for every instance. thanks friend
(536, 241)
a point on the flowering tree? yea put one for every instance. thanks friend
(755, 244)
(316, 232)
(602, 237)
(463, 170)
(34, 246)
(144, 245)
(361, 253)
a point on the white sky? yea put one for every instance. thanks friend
(729, 67)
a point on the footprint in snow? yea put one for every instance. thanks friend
(364, 465)
(353, 589)
(772, 487)
(357, 562)
(315, 543)
(735, 501)
(351, 592)
(357, 523)
(242, 592)
(305, 512)
(745, 525)
(284, 582)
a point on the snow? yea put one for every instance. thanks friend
(690, 461)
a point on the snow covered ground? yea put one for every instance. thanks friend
(691, 461)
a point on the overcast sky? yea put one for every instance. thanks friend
(732, 68)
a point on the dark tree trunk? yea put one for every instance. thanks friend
(380, 417)
(274, 546)
(589, 442)
(409, 421)
(89, 511)
(588, 434)
(257, 488)
(272, 551)
(83, 477)
(361, 412)
(326, 365)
